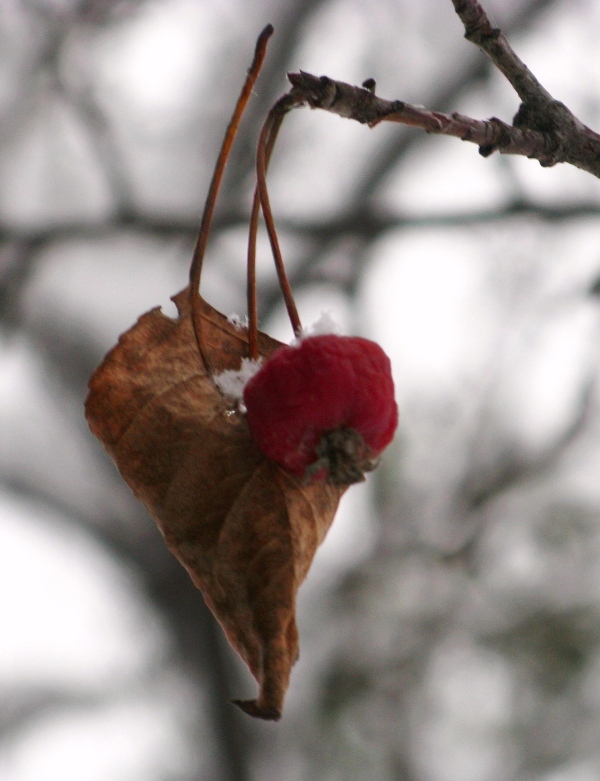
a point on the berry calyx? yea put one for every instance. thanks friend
(324, 409)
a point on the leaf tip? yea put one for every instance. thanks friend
(252, 708)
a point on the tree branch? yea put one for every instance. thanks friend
(480, 31)
(543, 128)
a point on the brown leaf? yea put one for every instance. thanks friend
(245, 530)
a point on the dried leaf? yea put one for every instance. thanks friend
(245, 530)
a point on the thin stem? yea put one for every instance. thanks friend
(266, 141)
(209, 206)
(251, 279)
(269, 143)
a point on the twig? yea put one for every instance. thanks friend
(578, 144)
(480, 31)
(443, 94)
(363, 106)
(543, 128)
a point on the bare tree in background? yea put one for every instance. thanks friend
(464, 642)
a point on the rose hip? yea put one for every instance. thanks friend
(324, 409)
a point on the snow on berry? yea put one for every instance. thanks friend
(324, 408)
(324, 325)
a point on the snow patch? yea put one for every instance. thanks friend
(241, 323)
(232, 382)
(324, 325)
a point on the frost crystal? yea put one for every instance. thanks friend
(232, 382)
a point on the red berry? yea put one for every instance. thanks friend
(324, 408)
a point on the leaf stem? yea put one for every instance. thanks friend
(266, 141)
(251, 279)
(209, 206)
(266, 144)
